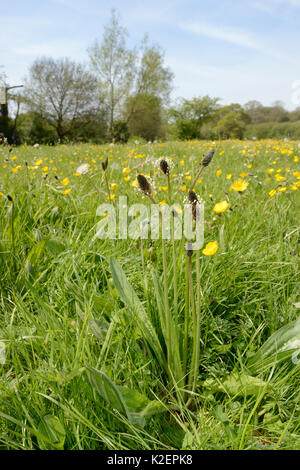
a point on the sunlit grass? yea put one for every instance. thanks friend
(60, 310)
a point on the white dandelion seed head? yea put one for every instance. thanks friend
(83, 169)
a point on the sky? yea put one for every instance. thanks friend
(237, 50)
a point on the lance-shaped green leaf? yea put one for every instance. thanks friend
(51, 433)
(130, 298)
(132, 404)
(278, 348)
(236, 384)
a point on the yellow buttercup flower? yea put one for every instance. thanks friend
(126, 171)
(66, 191)
(272, 192)
(39, 162)
(221, 207)
(218, 172)
(113, 186)
(278, 177)
(210, 249)
(229, 176)
(65, 182)
(239, 186)
(282, 190)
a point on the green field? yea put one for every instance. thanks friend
(179, 340)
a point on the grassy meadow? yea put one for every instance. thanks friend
(195, 351)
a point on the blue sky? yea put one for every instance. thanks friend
(236, 50)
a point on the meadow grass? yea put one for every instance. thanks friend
(60, 311)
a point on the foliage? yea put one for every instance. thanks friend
(62, 93)
(125, 74)
(259, 113)
(189, 116)
(145, 116)
(120, 132)
(290, 130)
(72, 303)
(231, 125)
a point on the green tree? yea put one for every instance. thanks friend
(125, 73)
(145, 116)
(121, 132)
(153, 81)
(231, 125)
(63, 93)
(114, 65)
(259, 113)
(188, 116)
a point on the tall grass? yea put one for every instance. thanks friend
(60, 310)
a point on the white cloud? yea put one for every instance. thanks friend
(233, 36)
(237, 84)
(292, 3)
(241, 38)
(274, 6)
(52, 48)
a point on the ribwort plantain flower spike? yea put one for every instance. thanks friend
(144, 184)
(205, 162)
(193, 200)
(192, 197)
(164, 166)
(104, 164)
(208, 158)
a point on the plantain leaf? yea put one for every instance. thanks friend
(175, 361)
(236, 384)
(132, 404)
(159, 300)
(97, 327)
(278, 348)
(106, 388)
(55, 247)
(130, 298)
(52, 434)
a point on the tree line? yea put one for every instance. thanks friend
(125, 93)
